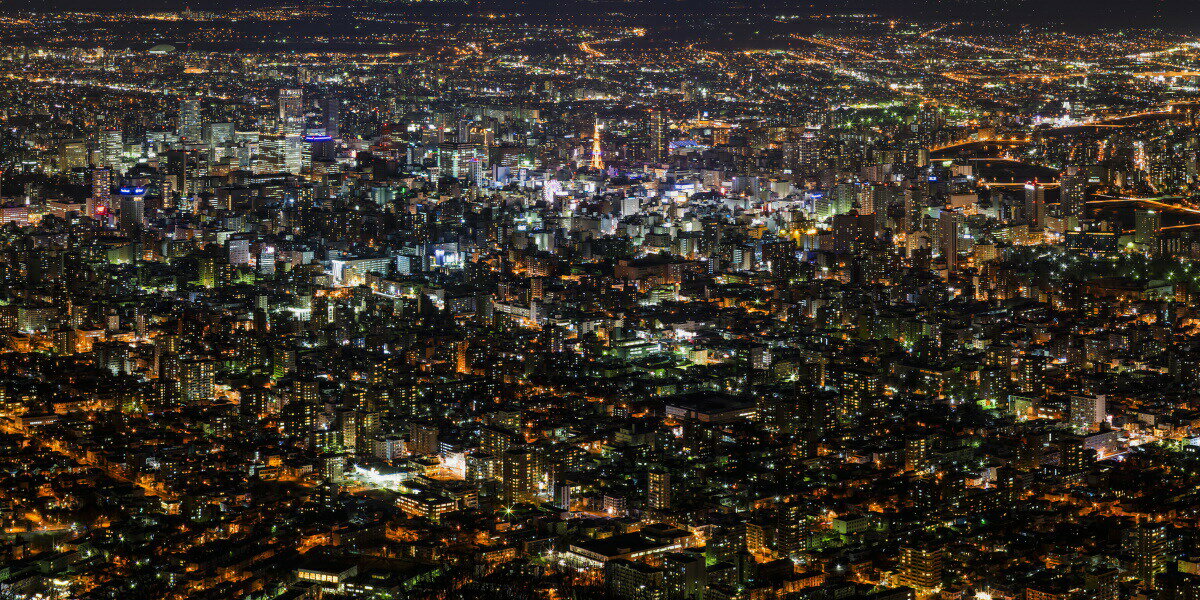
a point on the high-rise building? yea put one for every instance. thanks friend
(950, 225)
(685, 575)
(912, 208)
(916, 453)
(658, 134)
(133, 211)
(196, 380)
(1073, 193)
(1087, 412)
(629, 580)
(99, 203)
(423, 439)
(291, 129)
(1029, 376)
(1147, 224)
(191, 127)
(519, 478)
(111, 147)
(331, 110)
(1176, 585)
(304, 391)
(658, 489)
(217, 134)
(239, 251)
(1147, 544)
(1035, 206)
(921, 566)
(1102, 582)
(862, 398)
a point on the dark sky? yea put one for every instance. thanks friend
(1173, 14)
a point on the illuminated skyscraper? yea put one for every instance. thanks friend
(331, 109)
(190, 125)
(658, 131)
(99, 203)
(111, 145)
(291, 128)
(1035, 206)
(951, 226)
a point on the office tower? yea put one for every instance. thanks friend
(658, 489)
(1087, 412)
(1147, 224)
(331, 110)
(950, 225)
(1035, 206)
(658, 133)
(111, 146)
(72, 154)
(218, 134)
(239, 251)
(190, 123)
(133, 211)
(921, 566)
(291, 129)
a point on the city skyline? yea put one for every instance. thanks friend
(600, 301)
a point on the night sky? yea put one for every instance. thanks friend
(1168, 13)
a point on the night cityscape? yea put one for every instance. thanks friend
(392, 299)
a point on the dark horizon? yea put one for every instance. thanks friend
(1170, 14)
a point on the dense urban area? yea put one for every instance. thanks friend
(331, 301)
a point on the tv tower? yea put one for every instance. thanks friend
(597, 159)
